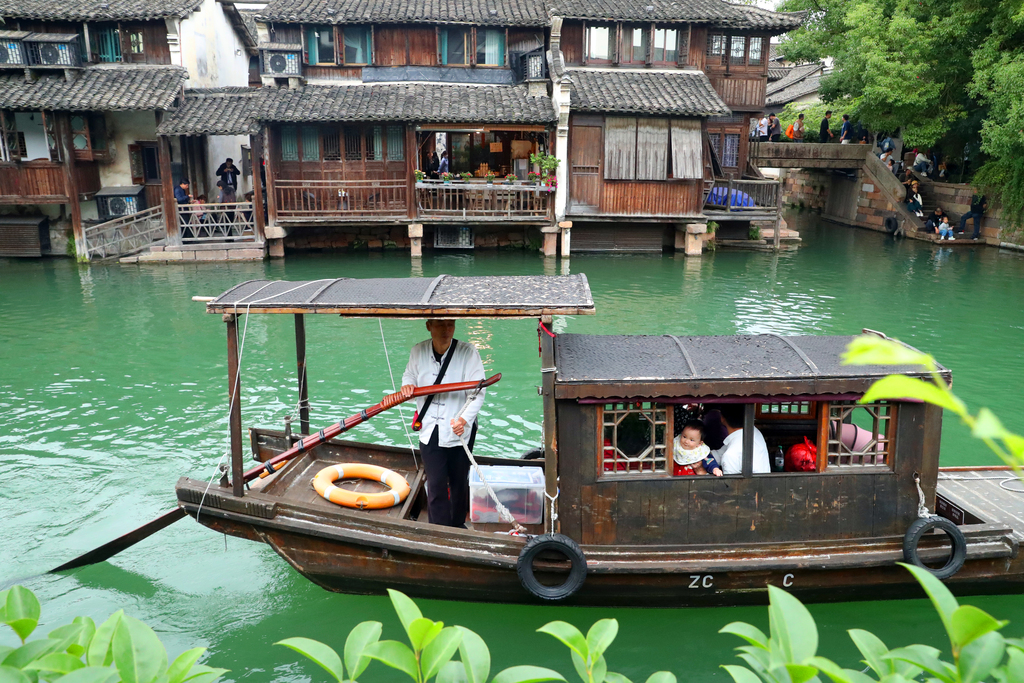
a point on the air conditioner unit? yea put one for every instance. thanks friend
(528, 66)
(60, 50)
(280, 60)
(12, 50)
(117, 201)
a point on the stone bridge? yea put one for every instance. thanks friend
(858, 189)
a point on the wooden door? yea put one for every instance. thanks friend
(585, 151)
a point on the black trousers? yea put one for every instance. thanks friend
(447, 480)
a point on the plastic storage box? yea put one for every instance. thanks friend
(520, 489)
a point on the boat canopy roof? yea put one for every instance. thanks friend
(445, 296)
(764, 365)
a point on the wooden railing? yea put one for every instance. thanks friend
(125, 235)
(743, 196)
(216, 223)
(341, 199)
(31, 180)
(478, 200)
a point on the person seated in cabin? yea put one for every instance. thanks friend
(714, 430)
(442, 359)
(730, 455)
(690, 455)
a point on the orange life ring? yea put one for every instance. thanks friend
(324, 480)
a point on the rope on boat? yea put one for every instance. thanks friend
(221, 465)
(394, 389)
(554, 511)
(502, 510)
(922, 508)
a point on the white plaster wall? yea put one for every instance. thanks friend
(215, 57)
(211, 50)
(125, 128)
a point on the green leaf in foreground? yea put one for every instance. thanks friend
(944, 602)
(57, 662)
(439, 651)
(741, 675)
(527, 674)
(870, 349)
(569, 635)
(897, 387)
(323, 655)
(9, 674)
(138, 653)
(979, 658)
(396, 655)
(98, 653)
(613, 677)
(968, 623)
(182, 664)
(792, 626)
(361, 637)
(662, 677)
(476, 657)
(90, 674)
(406, 609)
(21, 611)
(747, 632)
(601, 635)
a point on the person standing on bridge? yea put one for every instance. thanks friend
(774, 128)
(825, 133)
(846, 132)
(762, 129)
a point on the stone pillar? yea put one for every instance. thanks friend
(276, 248)
(550, 234)
(566, 229)
(694, 240)
(416, 239)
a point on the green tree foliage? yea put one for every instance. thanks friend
(898, 63)
(999, 85)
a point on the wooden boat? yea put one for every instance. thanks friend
(610, 409)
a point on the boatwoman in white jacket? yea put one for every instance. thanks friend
(446, 464)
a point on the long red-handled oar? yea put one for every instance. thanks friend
(108, 550)
(328, 433)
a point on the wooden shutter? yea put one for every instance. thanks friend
(619, 37)
(686, 149)
(586, 45)
(304, 41)
(652, 149)
(683, 46)
(620, 148)
(339, 44)
(649, 53)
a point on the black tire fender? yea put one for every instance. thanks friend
(891, 224)
(922, 526)
(560, 544)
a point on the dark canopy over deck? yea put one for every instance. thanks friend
(591, 366)
(444, 296)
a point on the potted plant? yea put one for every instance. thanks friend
(550, 183)
(511, 179)
(420, 175)
(447, 178)
(533, 178)
(466, 176)
(548, 163)
(490, 178)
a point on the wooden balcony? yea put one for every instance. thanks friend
(313, 201)
(743, 200)
(32, 182)
(479, 201)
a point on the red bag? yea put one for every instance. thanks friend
(791, 132)
(802, 457)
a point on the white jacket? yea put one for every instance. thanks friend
(422, 369)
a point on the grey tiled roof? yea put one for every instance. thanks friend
(96, 88)
(249, 21)
(712, 11)
(405, 102)
(796, 81)
(526, 12)
(682, 93)
(96, 10)
(777, 73)
(481, 12)
(213, 111)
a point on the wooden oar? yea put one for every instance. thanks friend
(108, 550)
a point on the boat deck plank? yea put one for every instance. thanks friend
(995, 496)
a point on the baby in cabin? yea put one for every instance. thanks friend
(690, 455)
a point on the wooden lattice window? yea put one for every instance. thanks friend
(860, 435)
(332, 144)
(635, 438)
(731, 156)
(738, 50)
(11, 144)
(374, 144)
(290, 143)
(754, 52)
(353, 145)
(310, 143)
(716, 48)
(396, 143)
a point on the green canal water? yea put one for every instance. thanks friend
(112, 385)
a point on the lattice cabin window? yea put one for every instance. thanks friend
(860, 435)
(635, 436)
(796, 410)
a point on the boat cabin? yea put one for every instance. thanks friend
(622, 400)
(604, 517)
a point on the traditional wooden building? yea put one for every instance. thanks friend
(658, 101)
(83, 86)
